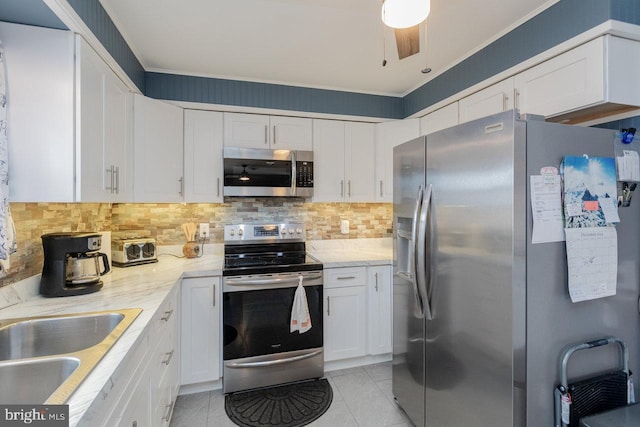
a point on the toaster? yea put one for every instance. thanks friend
(133, 251)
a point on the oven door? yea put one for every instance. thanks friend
(259, 350)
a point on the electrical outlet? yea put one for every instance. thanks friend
(204, 230)
(344, 226)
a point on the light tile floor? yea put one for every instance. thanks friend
(361, 397)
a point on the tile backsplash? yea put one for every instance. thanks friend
(163, 220)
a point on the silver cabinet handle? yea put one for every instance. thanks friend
(218, 185)
(376, 277)
(266, 134)
(167, 414)
(167, 315)
(341, 188)
(181, 181)
(168, 359)
(214, 294)
(516, 94)
(328, 306)
(345, 278)
(349, 186)
(274, 134)
(110, 187)
(381, 188)
(504, 101)
(117, 179)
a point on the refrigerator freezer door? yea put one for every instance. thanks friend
(469, 338)
(408, 316)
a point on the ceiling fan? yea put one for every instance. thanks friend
(405, 17)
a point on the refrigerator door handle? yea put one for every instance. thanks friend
(423, 270)
(414, 253)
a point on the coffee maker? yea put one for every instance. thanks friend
(72, 264)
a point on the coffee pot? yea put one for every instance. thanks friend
(72, 264)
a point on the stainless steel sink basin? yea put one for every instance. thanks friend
(44, 359)
(33, 381)
(44, 337)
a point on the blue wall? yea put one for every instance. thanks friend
(564, 20)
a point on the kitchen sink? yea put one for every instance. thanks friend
(44, 359)
(44, 337)
(33, 381)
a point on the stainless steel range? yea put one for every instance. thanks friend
(262, 267)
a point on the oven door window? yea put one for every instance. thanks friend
(257, 173)
(257, 322)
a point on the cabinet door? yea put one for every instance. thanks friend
(158, 144)
(200, 330)
(492, 100)
(388, 135)
(440, 119)
(136, 412)
(203, 156)
(359, 161)
(345, 319)
(291, 133)
(117, 138)
(40, 71)
(90, 71)
(379, 310)
(246, 130)
(565, 82)
(328, 161)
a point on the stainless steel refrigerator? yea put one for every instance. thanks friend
(480, 314)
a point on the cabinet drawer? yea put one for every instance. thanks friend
(345, 276)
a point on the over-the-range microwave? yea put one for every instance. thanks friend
(262, 172)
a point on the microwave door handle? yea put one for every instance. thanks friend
(294, 176)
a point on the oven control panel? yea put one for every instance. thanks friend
(244, 233)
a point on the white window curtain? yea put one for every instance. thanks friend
(7, 229)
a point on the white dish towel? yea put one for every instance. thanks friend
(300, 319)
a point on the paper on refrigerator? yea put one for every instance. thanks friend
(546, 203)
(592, 261)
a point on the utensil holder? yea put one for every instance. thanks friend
(191, 249)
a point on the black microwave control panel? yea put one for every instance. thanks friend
(304, 172)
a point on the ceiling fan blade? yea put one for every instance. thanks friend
(407, 41)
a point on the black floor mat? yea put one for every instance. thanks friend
(290, 405)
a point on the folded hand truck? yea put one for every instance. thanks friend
(592, 395)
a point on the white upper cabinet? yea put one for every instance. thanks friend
(388, 135)
(276, 132)
(40, 74)
(343, 161)
(203, 156)
(601, 71)
(440, 119)
(158, 149)
(494, 99)
(102, 130)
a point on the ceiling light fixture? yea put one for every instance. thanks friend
(244, 176)
(404, 13)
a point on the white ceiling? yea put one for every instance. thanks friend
(333, 44)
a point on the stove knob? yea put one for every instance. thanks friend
(283, 231)
(298, 230)
(232, 233)
(240, 232)
(291, 231)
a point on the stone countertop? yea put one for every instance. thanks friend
(146, 287)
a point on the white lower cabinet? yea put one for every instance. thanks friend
(200, 330)
(144, 391)
(379, 309)
(357, 312)
(136, 408)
